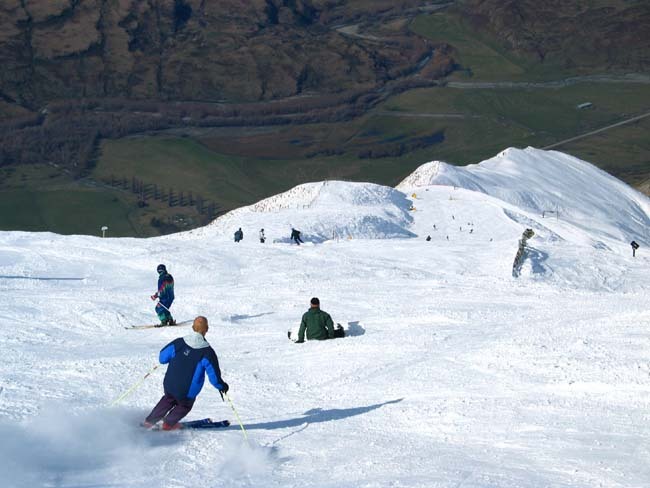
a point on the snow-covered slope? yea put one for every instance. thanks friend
(599, 210)
(454, 374)
(321, 211)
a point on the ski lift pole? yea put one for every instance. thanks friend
(237, 415)
(134, 387)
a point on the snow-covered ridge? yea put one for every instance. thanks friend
(599, 205)
(299, 196)
(561, 197)
(321, 211)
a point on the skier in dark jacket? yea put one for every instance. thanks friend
(189, 359)
(165, 296)
(295, 236)
(316, 323)
(239, 235)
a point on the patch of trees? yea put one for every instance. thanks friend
(396, 149)
(170, 196)
(67, 132)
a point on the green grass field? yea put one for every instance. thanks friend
(534, 116)
(478, 59)
(70, 211)
(623, 151)
(158, 159)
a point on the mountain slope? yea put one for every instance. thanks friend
(454, 373)
(598, 207)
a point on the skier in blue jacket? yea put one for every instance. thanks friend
(190, 358)
(165, 296)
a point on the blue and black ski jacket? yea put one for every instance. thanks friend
(189, 359)
(165, 289)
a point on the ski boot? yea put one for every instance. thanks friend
(176, 426)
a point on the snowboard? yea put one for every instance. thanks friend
(157, 326)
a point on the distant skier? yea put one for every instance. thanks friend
(316, 323)
(295, 236)
(262, 236)
(428, 238)
(239, 235)
(189, 359)
(165, 296)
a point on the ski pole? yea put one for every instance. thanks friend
(237, 415)
(127, 392)
(164, 307)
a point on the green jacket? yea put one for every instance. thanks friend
(318, 325)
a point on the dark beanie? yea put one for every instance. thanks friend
(315, 301)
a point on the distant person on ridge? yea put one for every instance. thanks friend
(165, 296)
(239, 235)
(316, 323)
(295, 236)
(189, 359)
(262, 236)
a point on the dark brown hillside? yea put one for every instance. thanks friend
(232, 50)
(584, 35)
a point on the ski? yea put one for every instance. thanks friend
(157, 326)
(205, 424)
(195, 424)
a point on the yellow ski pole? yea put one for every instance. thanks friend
(127, 392)
(237, 415)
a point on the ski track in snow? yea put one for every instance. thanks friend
(463, 376)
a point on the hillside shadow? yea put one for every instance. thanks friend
(354, 329)
(313, 239)
(318, 415)
(537, 259)
(239, 318)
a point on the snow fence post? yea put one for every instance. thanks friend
(519, 258)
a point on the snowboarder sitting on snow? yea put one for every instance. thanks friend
(189, 359)
(316, 323)
(295, 236)
(239, 235)
(165, 295)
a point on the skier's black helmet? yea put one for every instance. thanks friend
(161, 268)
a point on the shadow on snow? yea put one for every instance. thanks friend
(318, 415)
(238, 318)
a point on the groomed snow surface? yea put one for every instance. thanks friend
(455, 373)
